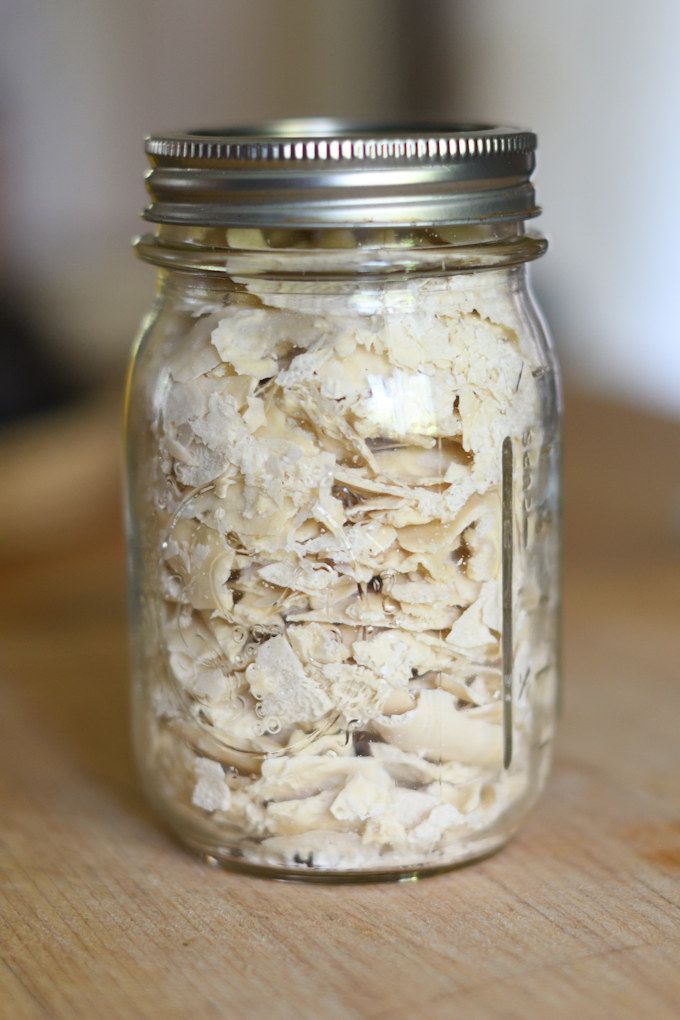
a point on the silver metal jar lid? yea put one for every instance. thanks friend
(331, 173)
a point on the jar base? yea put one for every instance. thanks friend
(222, 857)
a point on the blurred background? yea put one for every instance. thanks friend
(81, 84)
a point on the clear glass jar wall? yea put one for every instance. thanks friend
(343, 515)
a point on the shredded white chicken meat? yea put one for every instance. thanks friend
(330, 570)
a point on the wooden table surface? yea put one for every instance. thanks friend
(104, 915)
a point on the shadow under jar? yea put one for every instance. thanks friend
(342, 500)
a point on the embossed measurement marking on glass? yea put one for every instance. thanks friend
(506, 638)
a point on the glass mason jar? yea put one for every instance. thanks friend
(342, 432)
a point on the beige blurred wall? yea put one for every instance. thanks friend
(82, 82)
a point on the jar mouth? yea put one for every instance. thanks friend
(340, 254)
(315, 173)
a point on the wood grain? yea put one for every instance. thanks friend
(103, 914)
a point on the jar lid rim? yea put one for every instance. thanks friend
(316, 139)
(315, 172)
